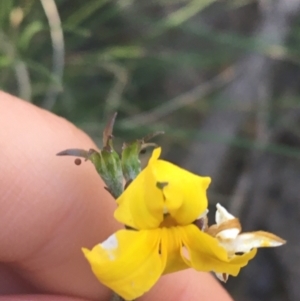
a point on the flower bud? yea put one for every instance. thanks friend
(107, 161)
(108, 165)
(131, 164)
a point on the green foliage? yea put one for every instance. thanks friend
(86, 59)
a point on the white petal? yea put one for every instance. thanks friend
(222, 215)
(228, 234)
(247, 241)
(261, 239)
(222, 276)
(237, 246)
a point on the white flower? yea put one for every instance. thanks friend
(228, 232)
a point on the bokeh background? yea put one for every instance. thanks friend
(221, 78)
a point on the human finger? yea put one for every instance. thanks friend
(49, 207)
(187, 285)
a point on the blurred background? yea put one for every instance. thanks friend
(221, 78)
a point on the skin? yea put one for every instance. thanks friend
(50, 208)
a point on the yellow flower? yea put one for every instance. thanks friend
(162, 209)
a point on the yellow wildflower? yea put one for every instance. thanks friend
(162, 209)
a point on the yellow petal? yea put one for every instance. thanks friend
(205, 253)
(155, 155)
(141, 204)
(171, 244)
(129, 262)
(185, 192)
(160, 188)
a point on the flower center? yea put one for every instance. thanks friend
(168, 221)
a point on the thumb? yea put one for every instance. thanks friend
(50, 208)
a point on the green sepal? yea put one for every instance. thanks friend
(131, 164)
(107, 161)
(108, 165)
